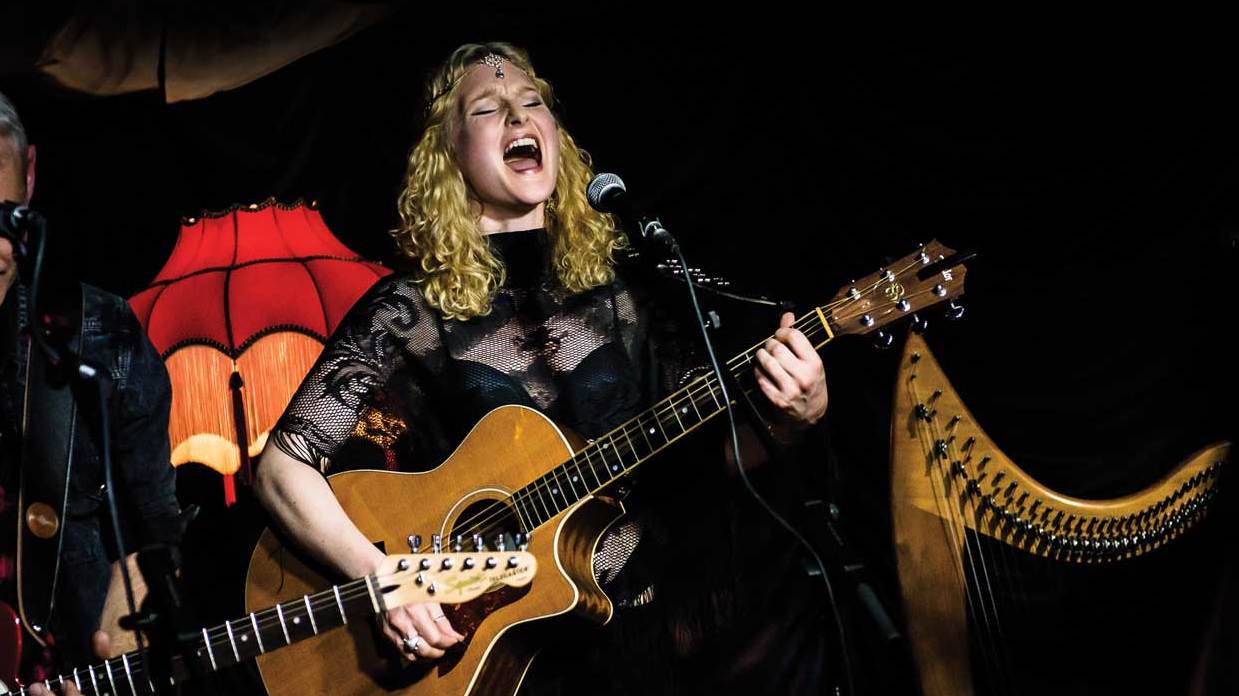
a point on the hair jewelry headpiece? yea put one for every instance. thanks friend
(494, 60)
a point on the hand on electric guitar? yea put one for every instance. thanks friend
(101, 644)
(420, 631)
(790, 373)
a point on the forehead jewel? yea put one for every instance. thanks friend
(494, 60)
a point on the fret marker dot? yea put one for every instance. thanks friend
(296, 619)
(554, 491)
(244, 637)
(683, 409)
(651, 431)
(615, 467)
(575, 478)
(605, 445)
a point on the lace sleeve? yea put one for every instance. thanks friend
(372, 343)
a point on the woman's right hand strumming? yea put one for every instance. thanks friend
(301, 502)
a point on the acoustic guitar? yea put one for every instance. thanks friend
(517, 472)
(403, 579)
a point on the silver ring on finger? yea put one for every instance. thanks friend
(440, 617)
(411, 643)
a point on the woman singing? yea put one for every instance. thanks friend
(514, 298)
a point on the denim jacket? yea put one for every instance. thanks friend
(138, 409)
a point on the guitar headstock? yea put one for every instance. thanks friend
(921, 279)
(451, 578)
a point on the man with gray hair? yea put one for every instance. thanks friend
(16, 179)
(58, 567)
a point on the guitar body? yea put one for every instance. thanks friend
(10, 646)
(510, 447)
(516, 458)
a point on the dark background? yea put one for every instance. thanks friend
(1095, 170)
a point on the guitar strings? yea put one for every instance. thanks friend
(320, 602)
(217, 637)
(664, 416)
(809, 324)
(691, 394)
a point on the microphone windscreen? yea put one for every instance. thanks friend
(602, 189)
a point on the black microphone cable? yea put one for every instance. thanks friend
(605, 188)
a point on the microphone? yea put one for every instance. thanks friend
(607, 194)
(15, 220)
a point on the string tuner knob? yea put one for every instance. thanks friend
(415, 542)
(436, 543)
(883, 340)
(954, 311)
(919, 324)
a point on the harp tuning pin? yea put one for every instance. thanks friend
(954, 311)
(883, 340)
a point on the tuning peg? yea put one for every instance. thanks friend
(459, 544)
(500, 542)
(522, 541)
(918, 324)
(479, 543)
(954, 311)
(883, 340)
(415, 542)
(436, 543)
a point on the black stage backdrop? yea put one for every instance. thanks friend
(1096, 174)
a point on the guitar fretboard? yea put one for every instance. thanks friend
(618, 452)
(233, 641)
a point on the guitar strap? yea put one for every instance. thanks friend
(48, 431)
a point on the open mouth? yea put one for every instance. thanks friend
(523, 154)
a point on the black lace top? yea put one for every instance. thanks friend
(398, 386)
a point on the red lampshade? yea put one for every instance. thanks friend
(239, 313)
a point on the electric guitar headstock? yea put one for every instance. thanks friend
(451, 578)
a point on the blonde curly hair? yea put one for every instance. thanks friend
(455, 268)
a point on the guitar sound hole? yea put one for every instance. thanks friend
(488, 518)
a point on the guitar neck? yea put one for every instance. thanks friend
(233, 641)
(622, 450)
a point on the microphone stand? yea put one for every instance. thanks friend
(17, 224)
(652, 229)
